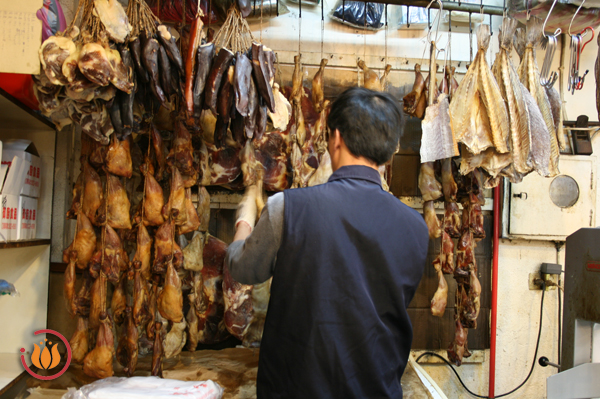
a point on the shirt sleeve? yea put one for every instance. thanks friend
(252, 261)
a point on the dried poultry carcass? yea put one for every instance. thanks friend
(141, 297)
(53, 53)
(530, 77)
(153, 199)
(192, 222)
(512, 93)
(97, 301)
(465, 254)
(175, 339)
(414, 103)
(283, 110)
(114, 209)
(478, 114)
(452, 221)
(69, 284)
(170, 299)
(79, 341)
(157, 145)
(166, 249)
(118, 302)
(99, 362)
(181, 155)
(118, 158)
(175, 206)
(110, 257)
(445, 260)
(127, 349)
(431, 190)
(84, 243)
(193, 253)
(158, 352)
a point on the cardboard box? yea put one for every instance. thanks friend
(20, 36)
(25, 150)
(27, 218)
(10, 216)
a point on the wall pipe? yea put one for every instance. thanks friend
(447, 5)
(496, 250)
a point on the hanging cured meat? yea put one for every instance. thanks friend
(438, 141)
(99, 362)
(165, 249)
(127, 350)
(53, 53)
(79, 341)
(118, 158)
(440, 298)
(84, 243)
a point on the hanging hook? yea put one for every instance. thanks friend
(574, 15)
(583, 33)
(407, 16)
(528, 9)
(548, 16)
(438, 17)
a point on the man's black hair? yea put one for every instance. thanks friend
(370, 122)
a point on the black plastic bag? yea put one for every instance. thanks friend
(354, 13)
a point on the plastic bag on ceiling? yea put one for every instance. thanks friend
(52, 17)
(359, 14)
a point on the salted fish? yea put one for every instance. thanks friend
(489, 160)
(541, 149)
(510, 87)
(556, 107)
(479, 94)
(530, 77)
(438, 141)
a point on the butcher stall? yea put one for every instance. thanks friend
(130, 130)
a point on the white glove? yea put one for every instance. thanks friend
(246, 211)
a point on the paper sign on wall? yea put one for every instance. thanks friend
(20, 36)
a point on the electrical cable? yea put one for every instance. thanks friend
(537, 345)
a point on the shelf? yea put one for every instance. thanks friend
(24, 243)
(15, 115)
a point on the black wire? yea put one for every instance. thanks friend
(537, 345)
(322, 10)
(408, 16)
(559, 322)
(300, 9)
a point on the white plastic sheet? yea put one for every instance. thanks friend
(146, 388)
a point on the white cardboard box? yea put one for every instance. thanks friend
(10, 216)
(25, 150)
(27, 215)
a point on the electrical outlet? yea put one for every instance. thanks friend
(537, 275)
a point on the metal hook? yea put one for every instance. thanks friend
(438, 17)
(583, 33)
(548, 16)
(574, 15)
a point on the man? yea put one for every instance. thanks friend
(346, 259)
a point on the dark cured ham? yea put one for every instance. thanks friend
(190, 63)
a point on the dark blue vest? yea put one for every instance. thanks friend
(350, 261)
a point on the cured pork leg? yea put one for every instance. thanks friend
(431, 219)
(99, 362)
(440, 298)
(457, 348)
(412, 99)
(370, 78)
(318, 95)
(445, 260)
(430, 188)
(53, 53)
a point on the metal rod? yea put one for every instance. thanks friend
(448, 6)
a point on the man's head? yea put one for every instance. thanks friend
(365, 125)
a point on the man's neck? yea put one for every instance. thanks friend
(348, 159)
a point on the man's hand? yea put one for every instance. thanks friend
(246, 211)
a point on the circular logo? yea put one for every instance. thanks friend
(46, 356)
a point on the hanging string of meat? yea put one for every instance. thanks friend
(530, 77)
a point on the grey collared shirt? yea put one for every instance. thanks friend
(252, 261)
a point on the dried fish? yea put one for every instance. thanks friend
(530, 77)
(510, 87)
(478, 114)
(438, 141)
